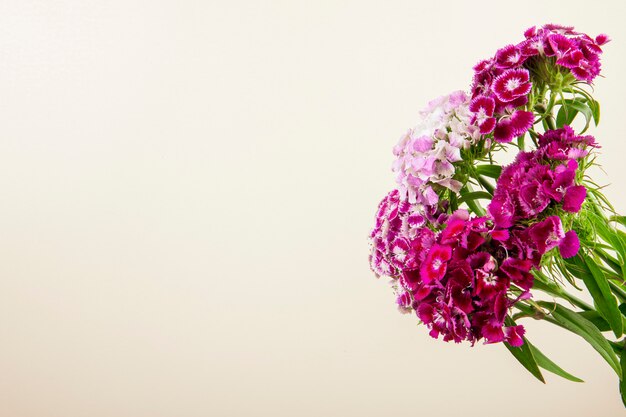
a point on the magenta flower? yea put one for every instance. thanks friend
(514, 335)
(564, 176)
(518, 271)
(574, 197)
(547, 234)
(502, 210)
(435, 265)
(508, 57)
(559, 45)
(511, 84)
(570, 245)
(483, 108)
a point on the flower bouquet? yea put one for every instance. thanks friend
(473, 245)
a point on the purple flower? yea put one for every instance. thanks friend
(508, 57)
(564, 144)
(574, 198)
(483, 108)
(564, 176)
(513, 125)
(532, 199)
(570, 245)
(547, 234)
(502, 210)
(518, 271)
(559, 45)
(511, 84)
(426, 154)
(514, 335)
(434, 266)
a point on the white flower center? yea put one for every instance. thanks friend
(513, 58)
(399, 253)
(513, 83)
(436, 264)
(490, 280)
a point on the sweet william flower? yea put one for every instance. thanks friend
(426, 154)
(559, 45)
(435, 265)
(574, 198)
(532, 199)
(502, 210)
(514, 335)
(483, 108)
(518, 271)
(511, 84)
(508, 57)
(563, 178)
(547, 234)
(570, 245)
(513, 125)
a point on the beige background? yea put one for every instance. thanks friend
(187, 188)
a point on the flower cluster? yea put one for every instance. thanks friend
(425, 154)
(462, 274)
(502, 84)
(538, 183)
(454, 277)
(400, 226)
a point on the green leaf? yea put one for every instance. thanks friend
(595, 110)
(577, 105)
(486, 184)
(474, 195)
(547, 364)
(619, 219)
(585, 329)
(596, 319)
(524, 355)
(622, 381)
(609, 235)
(565, 116)
(603, 298)
(492, 171)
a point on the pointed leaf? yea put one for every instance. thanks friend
(524, 355)
(545, 362)
(603, 298)
(622, 381)
(596, 319)
(492, 171)
(565, 116)
(475, 195)
(581, 107)
(595, 111)
(585, 329)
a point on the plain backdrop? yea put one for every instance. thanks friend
(186, 191)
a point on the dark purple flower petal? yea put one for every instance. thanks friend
(521, 121)
(574, 198)
(508, 57)
(434, 266)
(570, 245)
(547, 234)
(532, 199)
(502, 210)
(514, 335)
(511, 84)
(504, 132)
